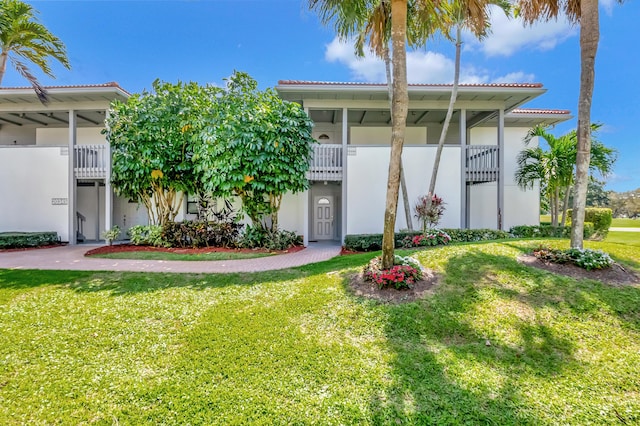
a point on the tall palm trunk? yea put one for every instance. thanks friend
(589, 37)
(399, 108)
(565, 204)
(3, 64)
(447, 120)
(403, 182)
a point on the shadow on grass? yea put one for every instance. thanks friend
(443, 370)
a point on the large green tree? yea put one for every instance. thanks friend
(152, 137)
(23, 39)
(586, 14)
(256, 146)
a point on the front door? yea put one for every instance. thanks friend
(323, 217)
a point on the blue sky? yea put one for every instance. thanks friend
(135, 42)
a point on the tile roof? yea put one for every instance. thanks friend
(74, 86)
(356, 84)
(540, 111)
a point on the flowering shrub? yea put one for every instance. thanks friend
(590, 259)
(431, 237)
(584, 258)
(429, 213)
(404, 273)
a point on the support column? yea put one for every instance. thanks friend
(72, 179)
(343, 200)
(500, 183)
(108, 192)
(305, 209)
(463, 169)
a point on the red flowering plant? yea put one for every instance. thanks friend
(403, 274)
(431, 237)
(429, 211)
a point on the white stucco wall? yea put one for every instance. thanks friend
(521, 207)
(17, 135)
(382, 136)
(291, 215)
(60, 136)
(367, 184)
(30, 177)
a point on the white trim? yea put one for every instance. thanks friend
(343, 197)
(500, 183)
(463, 169)
(72, 178)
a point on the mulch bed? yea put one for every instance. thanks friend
(616, 274)
(369, 290)
(32, 248)
(119, 248)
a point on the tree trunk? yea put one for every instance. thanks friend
(565, 205)
(3, 64)
(403, 182)
(589, 36)
(399, 107)
(447, 120)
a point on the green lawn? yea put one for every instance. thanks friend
(621, 237)
(294, 347)
(159, 255)
(626, 223)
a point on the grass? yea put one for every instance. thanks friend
(294, 347)
(160, 255)
(616, 222)
(625, 223)
(621, 237)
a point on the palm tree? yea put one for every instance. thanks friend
(23, 38)
(424, 12)
(555, 168)
(585, 13)
(460, 14)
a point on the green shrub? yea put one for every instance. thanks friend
(146, 235)
(373, 242)
(111, 234)
(28, 239)
(548, 231)
(201, 234)
(431, 237)
(601, 219)
(584, 258)
(254, 237)
(471, 235)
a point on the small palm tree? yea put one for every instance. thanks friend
(24, 39)
(555, 168)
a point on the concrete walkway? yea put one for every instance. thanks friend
(72, 258)
(625, 229)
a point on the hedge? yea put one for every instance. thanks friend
(27, 239)
(373, 242)
(600, 217)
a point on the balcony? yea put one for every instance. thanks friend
(90, 161)
(482, 164)
(326, 163)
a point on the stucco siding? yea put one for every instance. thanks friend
(367, 183)
(60, 136)
(382, 136)
(32, 180)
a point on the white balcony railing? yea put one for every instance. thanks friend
(326, 163)
(90, 161)
(482, 163)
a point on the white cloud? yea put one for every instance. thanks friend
(608, 5)
(515, 77)
(422, 67)
(508, 35)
